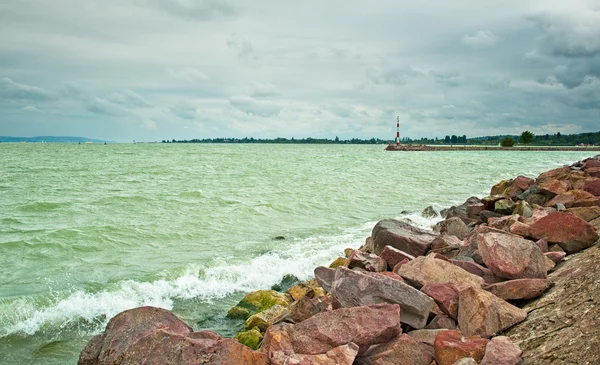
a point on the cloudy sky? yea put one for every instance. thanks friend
(161, 69)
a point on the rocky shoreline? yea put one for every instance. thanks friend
(420, 147)
(513, 278)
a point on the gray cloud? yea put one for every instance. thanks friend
(251, 106)
(196, 9)
(482, 38)
(13, 90)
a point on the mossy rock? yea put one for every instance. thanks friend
(340, 261)
(251, 338)
(265, 318)
(258, 301)
(308, 288)
(286, 283)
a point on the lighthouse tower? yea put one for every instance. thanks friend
(397, 131)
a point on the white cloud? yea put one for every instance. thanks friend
(31, 108)
(482, 38)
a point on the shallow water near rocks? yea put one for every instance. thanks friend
(87, 231)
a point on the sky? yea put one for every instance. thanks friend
(149, 70)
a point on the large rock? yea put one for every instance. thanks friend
(264, 319)
(341, 355)
(553, 188)
(510, 256)
(430, 270)
(445, 243)
(403, 350)
(592, 186)
(308, 288)
(401, 235)
(486, 274)
(353, 289)
(258, 301)
(455, 227)
(393, 256)
(501, 351)
(451, 346)
(563, 325)
(445, 296)
(588, 214)
(484, 314)
(572, 233)
(324, 277)
(305, 308)
(519, 288)
(366, 261)
(365, 326)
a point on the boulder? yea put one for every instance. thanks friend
(542, 244)
(445, 296)
(560, 173)
(430, 270)
(510, 256)
(552, 188)
(324, 277)
(251, 338)
(485, 215)
(500, 187)
(462, 211)
(258, 301)
(501, 351)
(592, 186)
(364, 326)
(367, 261)
(504, 206)
(572, 233)
(401, 235)
(504, 223)
(476, 269)
(455, 227)
(484, 314)
(588, 214)
(593, 172)
(519, 288)
(403, 350)
(556, 256)
(445, 243)
(425, 336)
(340, 261)
(520, 229)
(393, 256)
(353, 289)
(523, 209)
(451, 346)
(342, 355)
(429, 212)
(441, 322)
(308, 288)
(264, 319)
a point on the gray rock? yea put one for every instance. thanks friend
(401, 235)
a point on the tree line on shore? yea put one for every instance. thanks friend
(527, 138)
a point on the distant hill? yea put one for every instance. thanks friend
(50, 139)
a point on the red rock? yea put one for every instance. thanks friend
(306, 307)
(552, 188)
(565, 199)
(572, 233)
(560, 173)
(401, 235)
(476, 269)
(367, 261)
(354, 289)
(510, 256)
(403, 350)
(501, 351)
(542, 244)
(592, 186)
(454, 227)
(451, 346)
(503, 223)
(474, 209)
(445, 296)
(441, 322)
(429, 270)
(342, 355)
(556, 256)
(593, 171)
(539, 213)
(484, 314)
(588, 214)
(590, 163)
(365, 326)
(550, 265)
(393, 256)
(523, 183)
(519, 288)
(324, 277)
(392, 275)
(520, 229)
(425, 336)
(399, 265)
(444, 243)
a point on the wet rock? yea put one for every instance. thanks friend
(455, 227)
(429, 212)
(308, 288)
(588, 214)
(510, 256)
(484, 314)
(324, 277)
(393, 256)
(352, 289)
(556, 256)
(462, 211)
(445, 296)
(365, 326)
(264, 319)
(441, 321)
(519, 288)
(258, 301)
(342, 355)
(451, 346)
(592, 186)
(286, 282)
(403, 350)
(367, 261)
(572, 233)
(402, 236)
(90, 353)
(251, 338)
(474, 209)
(504, 206)
(429, 270)
(501, 351)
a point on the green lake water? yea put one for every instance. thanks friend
(87, 231)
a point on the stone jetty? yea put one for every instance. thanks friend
(510, 278)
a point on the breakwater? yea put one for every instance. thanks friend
(410, 147)
(407, 295)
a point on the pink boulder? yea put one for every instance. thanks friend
(501, 351)
(572, 233)
(401, 235)
(519, 288)
(342, 355)
(403, 350)
(445, 296)
(393, 256)
(592, 186)
(367, 261)
(451, 346)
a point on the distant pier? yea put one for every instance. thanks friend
(410, 147)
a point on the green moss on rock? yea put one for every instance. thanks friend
(258, 301)
(251, 338)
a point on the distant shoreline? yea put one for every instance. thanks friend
(410, 148)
